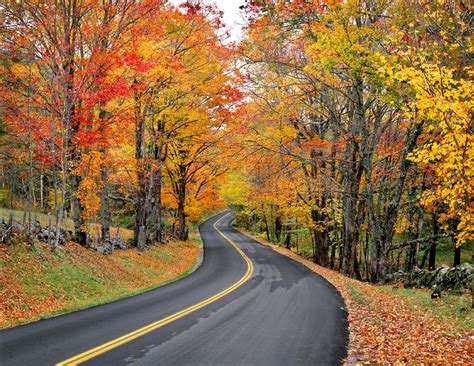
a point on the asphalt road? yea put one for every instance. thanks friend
(284, 314)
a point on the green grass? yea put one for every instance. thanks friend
(355, 293)
(67, 224)
(53, 282)
(445, 254)
(456, 309)
(36, 216)
(60, 277)
(110, 294)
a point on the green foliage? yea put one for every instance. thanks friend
(5, 195)
(2, 128)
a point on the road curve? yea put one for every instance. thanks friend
(284, 314)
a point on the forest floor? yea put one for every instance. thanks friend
(37, 282)
(392, 325)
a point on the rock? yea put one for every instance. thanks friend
(395, 277)
(41, 233)
(120, 243)
(104, 249)
(35, 227)
(454, 280)
(66, 234)
(47, 235)
(115, 243)
(444, 279)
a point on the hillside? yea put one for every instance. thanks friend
(38, 282)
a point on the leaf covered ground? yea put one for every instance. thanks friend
(36, 282)
(396, 326)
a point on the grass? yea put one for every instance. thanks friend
(453, 308)
(445, 254)
(68, 224)
(356, 295)
(37, 282)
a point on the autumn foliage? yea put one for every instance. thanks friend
(357, 137)
(341, 130)
(116, 109)
(344, 128)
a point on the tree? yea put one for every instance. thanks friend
(320, 76)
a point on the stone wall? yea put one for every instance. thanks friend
(11, 228)
(443, 279)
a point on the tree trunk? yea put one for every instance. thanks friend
(69, 121)
(457, 256)
(352, 173)
(432, 255)
(288, 240)
(278, 228)
(140, 236)
(105, 209)
(321, 252)
(182, 232)
(42, 190)
(158, 208)
(333, 256)
(265, 222)
(366, 248)
(79, 234)
(351, 231)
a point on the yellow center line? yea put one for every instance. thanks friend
(94, 352)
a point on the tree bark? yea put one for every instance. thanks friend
(278, 228)
(105, 209)
(182, 232)
(140, 195)
(79, 234)
(352, 173)
(457, 256)
(265, 222)
(432, 253)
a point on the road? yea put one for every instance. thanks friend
(254, 307)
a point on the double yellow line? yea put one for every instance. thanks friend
(94, 352)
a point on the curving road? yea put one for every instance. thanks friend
(269, 311)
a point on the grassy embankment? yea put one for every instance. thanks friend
(37, 282)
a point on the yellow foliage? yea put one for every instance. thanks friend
(444, 105)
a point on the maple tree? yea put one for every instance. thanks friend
(437, 70)
(97, 79)
(180, 77)
(69, 45)
(342, 128)
(370, 124)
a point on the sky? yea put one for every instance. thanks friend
(232, 17)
